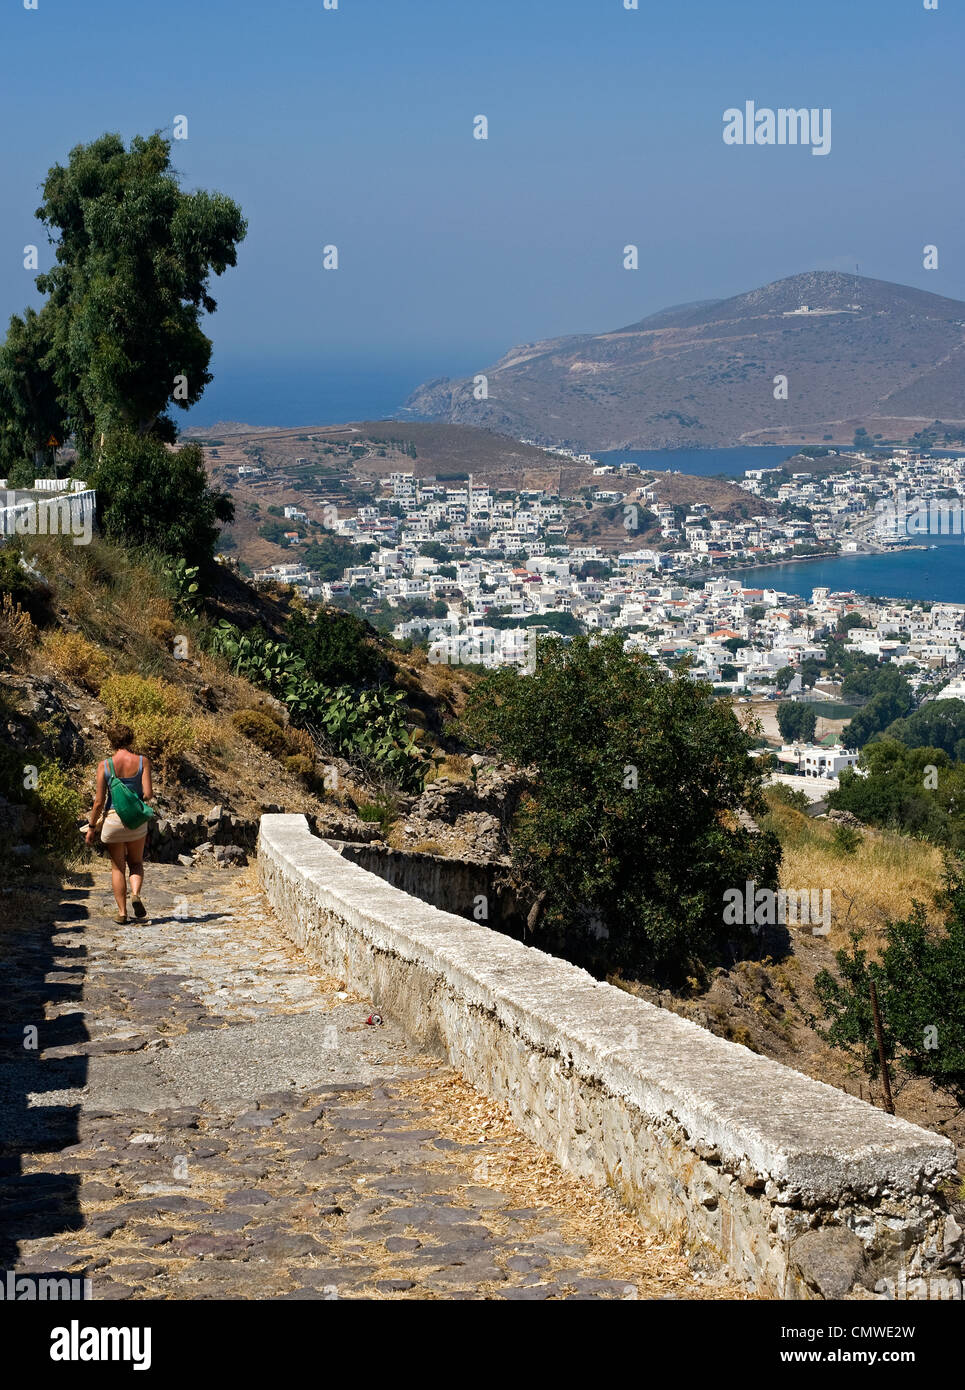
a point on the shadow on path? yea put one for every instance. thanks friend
(42, 964)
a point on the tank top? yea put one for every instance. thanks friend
(135, 782)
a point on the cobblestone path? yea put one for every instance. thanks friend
(191, 1110)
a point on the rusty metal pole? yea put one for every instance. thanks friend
(885, 1077)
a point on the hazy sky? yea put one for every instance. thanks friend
(355, 127)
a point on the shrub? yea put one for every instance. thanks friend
(165, 738)
(797, 722)
(258, 726)
(629, 838)
(162, 631)
(335, 647)
(155, 711)
(300, 766)
(154, 496)
(24, 587)
(845, 840)
(14, 579)
(382, 811)
(17, 632)
(60, 809)
(918, 978)
(77, 659)
(364, 726)
(784, 795)
(131, 696)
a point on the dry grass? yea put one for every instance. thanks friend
(157, 711)
(617, 1245)
(76, 659)
(17, 631)
(454, 766)
(879, 882)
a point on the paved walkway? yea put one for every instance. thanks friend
(192, 1110)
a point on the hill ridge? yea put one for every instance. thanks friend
(702, 374)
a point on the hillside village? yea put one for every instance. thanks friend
(473, 573)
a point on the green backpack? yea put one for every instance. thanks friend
(132, 809)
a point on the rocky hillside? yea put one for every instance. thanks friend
(868, 354)
(93, 634)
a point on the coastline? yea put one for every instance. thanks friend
(769, 564)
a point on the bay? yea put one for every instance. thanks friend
(936, 574)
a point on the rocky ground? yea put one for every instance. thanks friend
(191, 1110)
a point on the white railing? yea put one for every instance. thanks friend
(67, 514)
(59, 485)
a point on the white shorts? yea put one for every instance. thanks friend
(115, 832)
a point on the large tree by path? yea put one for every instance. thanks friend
(122, 319)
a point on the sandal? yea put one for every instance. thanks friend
(139, 909)
(121, 919)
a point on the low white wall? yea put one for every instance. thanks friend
(800, 1190)
(64, 514)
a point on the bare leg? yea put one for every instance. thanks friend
(118, 880)
(135, 862)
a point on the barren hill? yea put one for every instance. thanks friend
(867, 353)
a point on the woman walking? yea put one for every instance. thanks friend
(125, 773)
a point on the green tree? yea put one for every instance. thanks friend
(796, 721)
(435, 550)
(891, 698)
(880, 712)
(629, 838)
(937, 724)
(810, 670)
(916, 790)
(920, 981)
(30, 411)
(847, 621)
(337, 647)
(148, 494)
(332, 555)
(134, 255)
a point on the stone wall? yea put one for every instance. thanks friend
(797, 1188)
(467, 887)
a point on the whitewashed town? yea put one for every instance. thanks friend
(494, 567)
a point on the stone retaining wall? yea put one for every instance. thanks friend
(797, 1188)
(463, 886)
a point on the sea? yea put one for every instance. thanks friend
(287, 393)
(936, 573)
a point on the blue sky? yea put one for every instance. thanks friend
(354, 127)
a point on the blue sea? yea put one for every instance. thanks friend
(331, 390)
(937, 574)
(326, 392)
